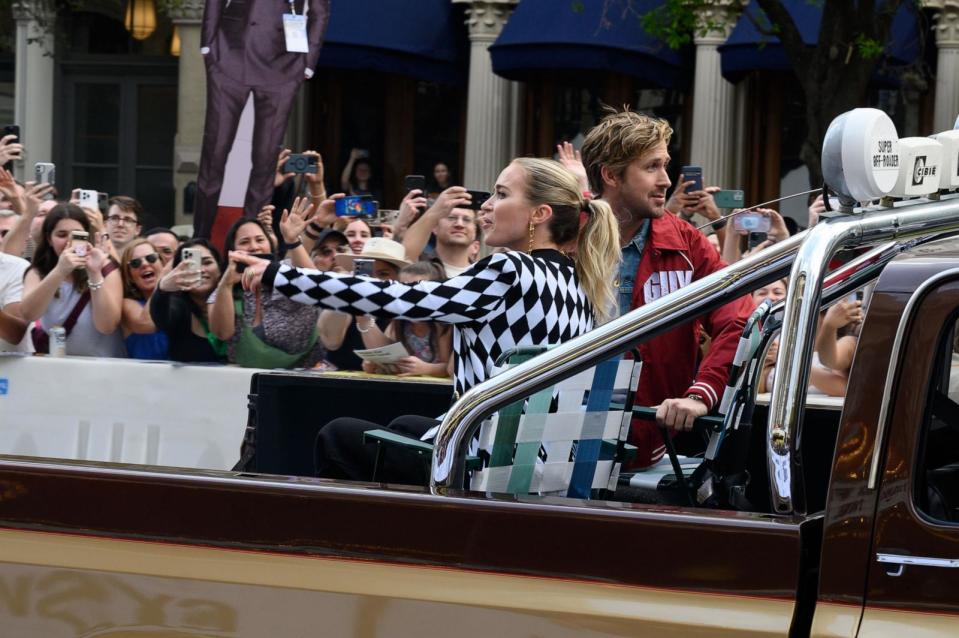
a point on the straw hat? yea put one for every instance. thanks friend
(377, 248)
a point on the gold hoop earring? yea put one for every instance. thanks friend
(531, 228)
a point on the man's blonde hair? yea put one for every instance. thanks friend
(620, 138)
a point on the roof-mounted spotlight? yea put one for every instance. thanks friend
(949, 179)
(860, 156)
(920, 160)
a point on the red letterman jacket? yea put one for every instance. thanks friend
(675, 255)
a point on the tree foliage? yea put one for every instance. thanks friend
(834, 74)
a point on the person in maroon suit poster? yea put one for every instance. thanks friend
(245, 44)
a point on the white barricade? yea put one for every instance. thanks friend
(124, 411)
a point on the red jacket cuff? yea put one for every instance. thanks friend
(707, 392)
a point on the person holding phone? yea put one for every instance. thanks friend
(529, 294)
(694, 204)
(737, 239)
(74, 284)
(454, 228)
(179, 309)
(261, 330)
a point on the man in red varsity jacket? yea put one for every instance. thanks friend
(626, 157)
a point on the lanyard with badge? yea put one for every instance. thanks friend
(294, 28)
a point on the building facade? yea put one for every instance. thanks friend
(470, 83)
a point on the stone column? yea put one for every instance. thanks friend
(191, 101)
(33, 103)
(714, 105)
(492, 112)
(946, 28)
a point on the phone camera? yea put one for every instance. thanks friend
(299, 164)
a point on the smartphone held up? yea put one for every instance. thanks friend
(356, 206)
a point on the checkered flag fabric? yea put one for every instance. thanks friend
(504, 301)
(565, 439)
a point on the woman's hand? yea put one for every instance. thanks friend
(280, 176)
(293, 222)
(777, 225)
(181, 278)
(10, 149)
(412, 366)
(12, 191)
(252, 275)
(815, 209)
(573, 160)
(99, 255)
(70, 261)
(314, 181)
(325, 215)
(230, 276)
(265, 217)
(33, 196)
(842, 314)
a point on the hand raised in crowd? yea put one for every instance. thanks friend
(70, 261)
(573, 160)
(280, 176)
(815, 209)
(34, 195)
(679, 414)
(842, 314)
(315, 180)
(702, 202)
(325, 214)
(98, 255)
(265, 217)
(410, 208)
(680, 198)
(293, 222)
(10, 149)
(181, 278)
(11, 191)
(231, 276)
(452, 197)
(252, 275)
(778, 231)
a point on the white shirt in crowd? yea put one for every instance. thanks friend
(11, 291)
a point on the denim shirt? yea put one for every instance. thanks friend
(629, 263)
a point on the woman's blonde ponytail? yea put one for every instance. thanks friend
(597, 258)
(596, 237)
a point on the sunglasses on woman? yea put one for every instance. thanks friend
(152, 258)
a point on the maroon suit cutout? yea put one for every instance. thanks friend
(248, 54)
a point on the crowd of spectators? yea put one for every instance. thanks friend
(118, 291)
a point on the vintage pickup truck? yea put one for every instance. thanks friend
(852, 527)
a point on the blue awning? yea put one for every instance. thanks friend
(563, 35)
(426, 42)
(747, 49)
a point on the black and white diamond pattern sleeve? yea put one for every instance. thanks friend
(469, 297)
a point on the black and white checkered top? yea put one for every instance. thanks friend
(506, 300)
